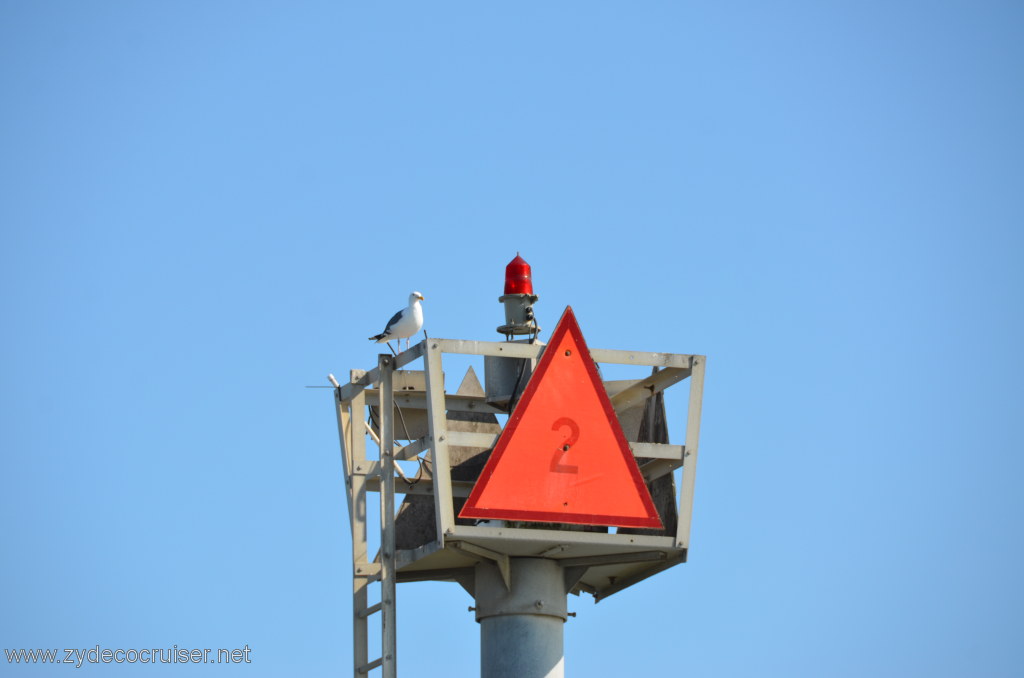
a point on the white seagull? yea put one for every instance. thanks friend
(403, 324)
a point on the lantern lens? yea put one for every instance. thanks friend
(518, 277)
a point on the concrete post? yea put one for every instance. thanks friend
(521, 630)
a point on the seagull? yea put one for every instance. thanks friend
(403, 324)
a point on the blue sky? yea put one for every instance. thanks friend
(206, 206)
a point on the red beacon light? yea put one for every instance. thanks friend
(518, 277)
(518, 300)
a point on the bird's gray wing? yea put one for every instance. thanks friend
(394, 320)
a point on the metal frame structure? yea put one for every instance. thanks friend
(596, 562)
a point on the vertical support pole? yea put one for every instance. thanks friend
(345, 435)
(438, 420)
(522, 627)
(690, 461)
(388, 575)
(356, 465)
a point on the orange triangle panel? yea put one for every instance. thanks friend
(562, 457)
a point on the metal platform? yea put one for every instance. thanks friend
(595, 560)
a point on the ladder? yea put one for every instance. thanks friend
(353, 428)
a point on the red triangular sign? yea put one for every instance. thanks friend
(562, 457)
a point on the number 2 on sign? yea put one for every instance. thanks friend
(574, 435)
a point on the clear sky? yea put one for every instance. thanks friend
(207, 206)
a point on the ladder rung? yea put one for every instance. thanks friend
(366, 668)
(368, 571)
(373, 609)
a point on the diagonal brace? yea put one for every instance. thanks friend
(479, 552)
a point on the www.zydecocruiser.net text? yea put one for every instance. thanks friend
(97, 655)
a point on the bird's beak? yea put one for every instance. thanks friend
(422, 298)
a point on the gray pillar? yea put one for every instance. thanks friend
(521, 630)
